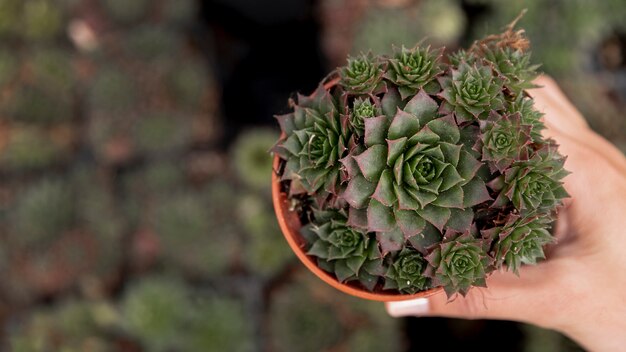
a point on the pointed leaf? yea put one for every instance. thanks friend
(319, 249)
(475, 193)
(375, 130)
(372, 162)
(391, 102)
(342, 271)
(390, 241)
(409, 222)
(452, 198)
(437, 216)
(446, 129)
(422, 106)
(379, 217)
(403, 125)
(460, 219)
(384, 190)
(395, 148)
(357, 218)
(426, 238)
(468, 165)
(358, 192)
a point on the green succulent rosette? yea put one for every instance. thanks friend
(413, 69)
(362, 108)
(315, 137)
(504, 139)
(520, 240)
(421, 173)
(533, 185)
(410, 175)
(348, 253)
(362, 75)
(406, 272)
(472, 91)
(459, 262)
(514, 66)
(529, 116)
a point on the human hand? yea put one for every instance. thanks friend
(579, 289)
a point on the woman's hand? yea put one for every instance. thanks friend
(580, 289)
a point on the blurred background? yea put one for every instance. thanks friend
(135, 212)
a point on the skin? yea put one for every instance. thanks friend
(579, 289)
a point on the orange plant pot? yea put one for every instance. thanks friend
(290, 225)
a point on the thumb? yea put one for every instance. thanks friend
(528, 298)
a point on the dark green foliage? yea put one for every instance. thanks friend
(29, 148)
(152, 42)
(250, 158)
(154, 311)
(161, 133)
(112, 91)
(126, 11)
(299, 323)
(409, 200)
(44, 211)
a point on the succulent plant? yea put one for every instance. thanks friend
(434, 156)
(533, 185)
(504, 140)
(406, 273)
(250, 158)
(363, 74)
(459, 262)
(520, 240)
(155, 310)
(472, 91)
(413, 69)
(317, 139)
(349, 253)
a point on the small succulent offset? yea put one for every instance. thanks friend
(412, 173)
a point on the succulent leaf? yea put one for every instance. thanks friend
(362, 75)
(406, 273)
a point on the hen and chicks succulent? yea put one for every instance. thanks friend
(415, 172)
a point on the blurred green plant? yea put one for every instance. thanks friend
(198, 232)
(125, 11)
(43, 212)
(112, 90)
(442, 22)
(154, 310)
(150, 43)
(162, 132)
(219, 324)
(42, 20)
(300, 322)
(189, 83)
(29, 148)
(266, 251)
(71, 326)
(251, 159)
(32, 104)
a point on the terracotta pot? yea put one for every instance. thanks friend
(290, 225)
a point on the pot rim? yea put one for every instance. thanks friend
(289, 223)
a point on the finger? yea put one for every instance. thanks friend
(551, 95)
(507, 297)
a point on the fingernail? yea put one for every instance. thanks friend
(415, 307)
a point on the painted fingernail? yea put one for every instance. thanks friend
(415, 307)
